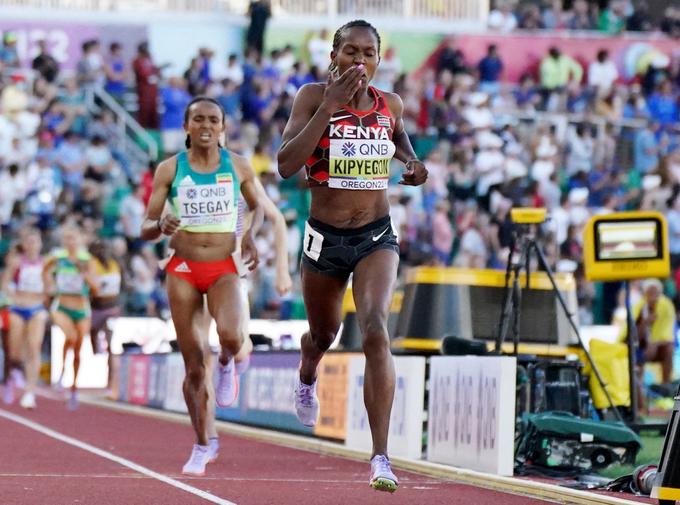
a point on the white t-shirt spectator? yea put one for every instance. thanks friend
(320, 52)
(501, 21)
(132, 216)
(602, 75)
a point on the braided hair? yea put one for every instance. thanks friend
(198, 99)
(340, 33)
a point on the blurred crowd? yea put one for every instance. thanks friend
(610, 17)
(575, 139)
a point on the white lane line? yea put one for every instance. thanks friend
(235, 479)
(112, 457)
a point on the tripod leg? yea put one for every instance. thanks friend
(570, 318)
(505, 311)
(517, 304)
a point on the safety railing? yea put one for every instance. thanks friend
(474, 10)
(131, 132)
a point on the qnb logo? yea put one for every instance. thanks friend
(349, 149)
(191, 193)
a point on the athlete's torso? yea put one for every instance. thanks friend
(355, 150)
(69, 279)
(29, 288)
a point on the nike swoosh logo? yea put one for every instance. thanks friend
(377, 237)
(338, 118)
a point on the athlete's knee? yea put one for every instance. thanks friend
(195, 376)
(323, 338)
(230, 336)
(376, 341)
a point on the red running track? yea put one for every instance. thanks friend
(36, 469)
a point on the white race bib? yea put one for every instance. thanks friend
(207, 204)
(30, 279)
(70, 283)
(108, 284)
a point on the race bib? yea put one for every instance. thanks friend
(208, 204)
(70, 283)
(359, 164)
(30, 279)
(109, 284)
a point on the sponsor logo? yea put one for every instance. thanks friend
(183, 268)
(358, 184)
(349, 149)
(338, 118)
(191, 193)
(377, 237)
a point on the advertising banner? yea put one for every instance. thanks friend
(522, 53)
(266, 393)
(138, 384)
(158, 380)
(471, 412)
(332, 392)
(64, 39)
(174, 397)
(406, 422)
(123, 377)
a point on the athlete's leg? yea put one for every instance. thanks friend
(372, 286)
(35, 333)
(323, 302)
(203, 322)
(82, 330)
(17, 341)
(68, 327)
(224, 304)
(186, 307)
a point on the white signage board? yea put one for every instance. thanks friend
(174, 396)
(471, 412)
(406, 423)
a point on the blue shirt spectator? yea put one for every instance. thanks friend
(646, 154)
(663, 105)
(490, 68)
(230, 99)
(175, 99)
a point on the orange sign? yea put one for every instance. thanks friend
(332, 391)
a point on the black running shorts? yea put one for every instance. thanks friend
(336, 251)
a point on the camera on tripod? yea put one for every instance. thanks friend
(528, 215)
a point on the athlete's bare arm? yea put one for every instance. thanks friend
(153, 225)
(283, 281)
(416, 173)
(313, 106)
(246, 176)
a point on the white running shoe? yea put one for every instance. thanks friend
(213, 449)
(226, 390)
(306, 402)
(200, 456)
(382, 477)
(28, 400)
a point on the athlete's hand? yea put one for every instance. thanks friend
(283, 282)
(415, 173)
(341, 90)
(249, 253)
(169, 224)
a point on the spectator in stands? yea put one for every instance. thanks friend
(557, 71)
(451, 58)
(9, 56)
(670, 24)
(70, 159)
(44, 63)
(531, 18)
(490, 68)
(388, 70)
(234, 70)
(663, 104)
(502, 18)
(175, 99)
(193, 79)
(612, 20)
(132, 209)
(581, 19)
(640, 20)
(673, 218)
(554, 17)
(580, 150)
(90, 67)
(602, 73)
(146, 76)
(116, 72)
(319, 47)
(526, 95)
(73, 106)
(442, 233)
(655, 319)
(259, 12)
